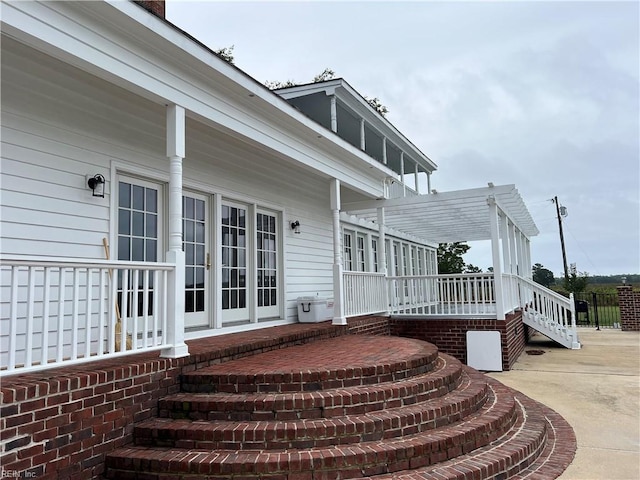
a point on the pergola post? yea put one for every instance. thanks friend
(504, 235)
(495, 253)
(512, 249)
(175, 152)
(382, 252)
(338, 291)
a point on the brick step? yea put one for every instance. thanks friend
(444, 378)
(314, 367)
(491, 422)
(270, 435)
(503, 458)
(559, 449)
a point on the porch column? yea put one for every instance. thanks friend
(338, 291)
(428, 183)
(334, 114)
(495, 253)
(382, 241)
(404, 186)
(384, 150)
(363, 144)
(175, 152)
(415, 179)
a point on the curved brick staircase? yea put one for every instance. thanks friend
(348, 407)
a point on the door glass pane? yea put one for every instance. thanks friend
(137, 239)
(194, 246)
(234, 256)
(267, 260)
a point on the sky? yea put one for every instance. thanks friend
(544, 95)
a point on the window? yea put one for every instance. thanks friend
(348, 252)
(361, 253)
(374, 254)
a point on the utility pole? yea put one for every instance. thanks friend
(564, 254)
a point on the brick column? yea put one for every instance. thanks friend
(629, 302)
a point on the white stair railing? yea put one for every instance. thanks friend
(549, 312)
(62, 312)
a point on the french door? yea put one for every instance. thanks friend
(196, 246)
(268, 282)
(234, 229)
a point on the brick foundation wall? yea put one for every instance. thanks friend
(370, 325)
(450, 335)
(61, 423)
(629, 301)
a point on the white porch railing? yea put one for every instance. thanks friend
(443, 295)
(398, 190)
(365, 293)
(462, 295)
(60, 312)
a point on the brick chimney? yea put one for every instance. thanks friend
(154, 6)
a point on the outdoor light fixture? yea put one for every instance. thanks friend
(295, 226)
(96, 184)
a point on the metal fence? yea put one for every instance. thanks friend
(599, 310)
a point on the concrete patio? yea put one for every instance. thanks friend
(597, 390)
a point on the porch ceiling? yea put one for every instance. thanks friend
(455, 216)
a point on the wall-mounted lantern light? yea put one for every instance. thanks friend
(295, 226)
(96, 184)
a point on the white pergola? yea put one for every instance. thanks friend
(495, 213)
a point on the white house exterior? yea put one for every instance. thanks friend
(223, 203)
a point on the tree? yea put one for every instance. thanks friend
(377, 105)
(326, 74)
(226, 54)
(542, 275)
(450, 257)
(469, 268)
(577, 281)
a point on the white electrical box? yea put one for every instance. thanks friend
(484, 350)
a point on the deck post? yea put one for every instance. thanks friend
(174, 337)
(338, 285)
(495, 253)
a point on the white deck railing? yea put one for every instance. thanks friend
(57, 312)
(365, 293)
(462, 295)
(443, 295)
